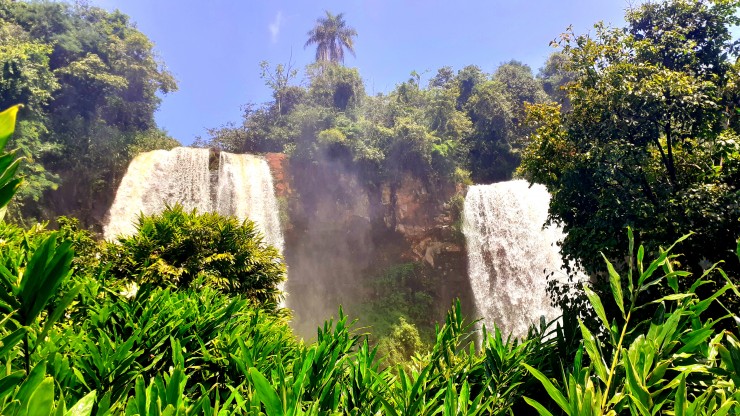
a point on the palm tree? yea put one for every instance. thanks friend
(331, 36)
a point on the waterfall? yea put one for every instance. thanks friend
(510, 254)
(155, 179)
(243, 189)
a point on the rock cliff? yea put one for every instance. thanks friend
(341, 232)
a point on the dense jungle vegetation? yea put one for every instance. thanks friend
(89, 83)
(630, 128)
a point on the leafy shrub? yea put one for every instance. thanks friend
(124, 339)
(401, 344)
(676, 362)
(181, 250)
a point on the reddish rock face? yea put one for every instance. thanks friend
(344, 232)
(278, 163)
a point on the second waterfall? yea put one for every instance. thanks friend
(510, 254)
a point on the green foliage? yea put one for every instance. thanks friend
(123, 341)
(30, 277)
(650, 138)
(182, 250)
(89, 81)
(25, 76)
(555, 78)
(400, 293)
(8, 162)
(401, 344)
(149, 140)
(469, 121)
(334, 86)
(676, 361)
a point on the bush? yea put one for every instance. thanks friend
(676, 362)
(403, 343)
(121, 339)
(182, 250)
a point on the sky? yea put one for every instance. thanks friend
(214, 48)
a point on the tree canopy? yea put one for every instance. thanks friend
(90, 82)
(459, 124)
(650, 139)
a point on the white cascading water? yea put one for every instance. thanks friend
(155, 179)
(245, 191)
(510, 254)
(181, 175)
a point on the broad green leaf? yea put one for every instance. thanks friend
(10, 382)
(596, 303)
(59, 311)
(174, 386)
(672, 278)
(540, 408)
(676, 296)
(266, 393)
(84, 406)
(704, 304)
(34, 379)
(680, 405)
(42, 400)
(726, 407)
(729, 282)
(8, 172)
(6, 194)
(389, 409)
(592, 349)
(616, 285)
(11, 340)
(694, 339)
(553, 391)
(658, 262)
(47, 268)
(61, 405)
(636, 389)
(7, 124)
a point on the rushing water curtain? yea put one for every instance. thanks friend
(510, 254)
(243, 189)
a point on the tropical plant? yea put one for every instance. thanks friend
(650, 140)
(29, 278)
(332, 36)
(180, 249)
(8, 162)
(675, 362)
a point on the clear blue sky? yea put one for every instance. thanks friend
(214, 48)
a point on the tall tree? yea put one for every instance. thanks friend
(91, 83)
(651, 138)
(332, 36)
